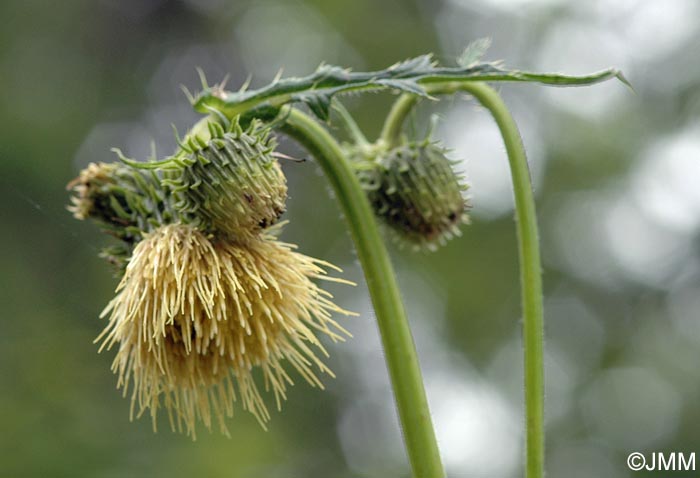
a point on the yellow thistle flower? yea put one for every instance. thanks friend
(193, 317)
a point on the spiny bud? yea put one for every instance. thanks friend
(231, 184)
(415, 189)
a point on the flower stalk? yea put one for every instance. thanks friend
(528, 250)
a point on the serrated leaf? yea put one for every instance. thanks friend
(419, 63)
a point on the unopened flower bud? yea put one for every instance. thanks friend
(415, 189)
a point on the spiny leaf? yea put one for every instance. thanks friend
(317, 89)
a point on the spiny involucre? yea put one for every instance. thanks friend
(124, 202)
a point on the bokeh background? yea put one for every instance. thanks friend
(617, 177)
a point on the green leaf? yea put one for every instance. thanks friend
(317, 89)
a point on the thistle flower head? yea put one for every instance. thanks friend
(230, 184)
(416, 191)
(195, 316)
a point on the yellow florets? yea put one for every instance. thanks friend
(193, 316)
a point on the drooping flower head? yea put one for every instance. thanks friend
(194, 316)
(208, 296)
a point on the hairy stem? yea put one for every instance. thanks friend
(528, 250)
(399, 349)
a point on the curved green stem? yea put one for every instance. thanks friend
(528, 250)
(399, 349)
(530, 275)
(350, 124)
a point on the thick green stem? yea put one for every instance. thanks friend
(528, 249)
(399, 349)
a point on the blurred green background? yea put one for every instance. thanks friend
(616, 176)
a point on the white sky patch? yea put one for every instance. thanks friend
(510, 4)
(576, 47)
(641, 247)
(631, 408)
(607, 237)
(478, 431)
(667, 185)
(649, 228)
(650, 29)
